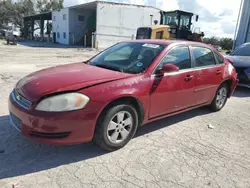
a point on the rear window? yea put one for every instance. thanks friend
(219, 58)
(203, 56)
(144, 33)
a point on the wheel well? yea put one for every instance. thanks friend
(131, 101)
(229, 84)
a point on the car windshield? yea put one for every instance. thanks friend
(129, 57)
(242, 51)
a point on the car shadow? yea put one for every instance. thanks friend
(165, 122)
(241, 92)
(20, 156)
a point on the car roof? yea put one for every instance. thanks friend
(168, 42)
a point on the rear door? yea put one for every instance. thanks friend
(208, 73)
(173, 92)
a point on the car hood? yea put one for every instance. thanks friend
(63, 78)
(239, 61)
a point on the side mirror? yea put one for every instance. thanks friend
(197, 18)
(228, 52)
(167, 68)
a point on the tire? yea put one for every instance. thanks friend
(220, 98)
(106, 132)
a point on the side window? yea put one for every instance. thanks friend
(81, 18)
(159, 35)
(58, 35)
(121, 54)
(219, 58)
(178, 56)
(203, 56)
(64, 17)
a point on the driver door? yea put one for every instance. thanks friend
(173, 92)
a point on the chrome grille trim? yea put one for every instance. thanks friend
(20, 100)
(12, 122)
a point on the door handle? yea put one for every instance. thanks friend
(218, 72)
(188, 78)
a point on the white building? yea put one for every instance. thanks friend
(243, 34)
(110, 23)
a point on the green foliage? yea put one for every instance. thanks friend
(21, 9)
(13, 12)
(6, 7)
(225, 43)
(49, 5)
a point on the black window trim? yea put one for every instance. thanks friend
(180, 71)
(204, 67)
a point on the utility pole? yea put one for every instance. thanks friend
(237, 25)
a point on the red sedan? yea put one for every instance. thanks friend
(108, 97)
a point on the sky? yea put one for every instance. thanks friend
(216, 17)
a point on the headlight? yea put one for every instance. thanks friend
(63, 103)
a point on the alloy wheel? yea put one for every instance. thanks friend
(120, 127)
(221, 97)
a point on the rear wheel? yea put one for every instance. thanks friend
(220, 98)
(116, 127)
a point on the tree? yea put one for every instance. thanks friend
(20, 9)
(212, 41)
(6, 7)
(226, 43)
(49, 5)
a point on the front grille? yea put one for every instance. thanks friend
(50, 135)
(242, 76)
(20, 100)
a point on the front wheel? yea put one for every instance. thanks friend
(116, 127)
(220, 98)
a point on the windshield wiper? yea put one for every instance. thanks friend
(108, 67)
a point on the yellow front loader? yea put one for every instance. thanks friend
(174, 25)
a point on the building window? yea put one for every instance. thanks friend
(54, 18)
(64, 17)
(58, 35)
(64, 35)
(81, 18)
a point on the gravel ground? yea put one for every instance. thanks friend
(180, 151)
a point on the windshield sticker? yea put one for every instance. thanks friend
(139, 64)
(151, 45)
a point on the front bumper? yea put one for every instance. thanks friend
(62, 128)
